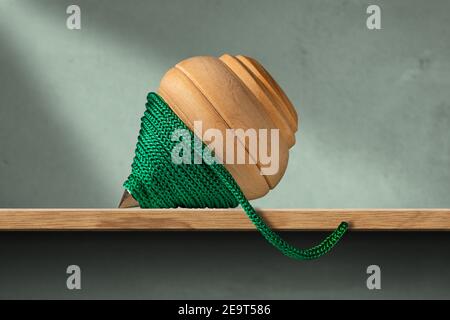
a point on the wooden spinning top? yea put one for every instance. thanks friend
(232, 92)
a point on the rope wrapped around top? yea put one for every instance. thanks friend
(157, 182)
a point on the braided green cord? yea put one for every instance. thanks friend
(157, 182)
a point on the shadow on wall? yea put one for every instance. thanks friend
(39, 166)
(321, 72)
(177, 29)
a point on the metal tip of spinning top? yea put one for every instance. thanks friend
(127, 201)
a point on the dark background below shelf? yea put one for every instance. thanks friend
(215, 265)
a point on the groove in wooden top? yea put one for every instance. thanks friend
(222, 219)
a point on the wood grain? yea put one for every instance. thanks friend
(234, 93)
(222, 219)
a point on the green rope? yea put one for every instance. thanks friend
(157, 182)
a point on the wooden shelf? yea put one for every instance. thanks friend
(222, 219)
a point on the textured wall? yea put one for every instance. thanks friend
(374, 109)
